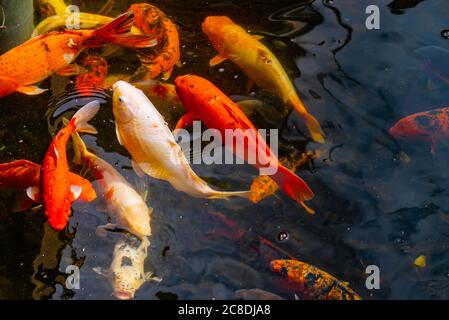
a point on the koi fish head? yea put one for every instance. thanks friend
(58, 217)
(412, 127)
(213, 27)
(127, 268)
(125, 101)
(188, 89)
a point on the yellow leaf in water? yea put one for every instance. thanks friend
(420, 262)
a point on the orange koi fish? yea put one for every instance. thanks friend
(312, 282)
(54, 52)
(163, 58)
(263, 186)
(204, 101)
(258, 63)
(57, 192)
(428, 126)
(23, 174)
(94, 79)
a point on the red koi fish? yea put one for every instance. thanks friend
(86, 83)
(24, 175)
(428, 126)
(55, 52)
(205, 102)
(57, 192)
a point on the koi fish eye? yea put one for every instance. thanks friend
(121, 99)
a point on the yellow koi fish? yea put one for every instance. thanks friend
(127, 271)
(129, 209)
(145, 134)
(258, 63)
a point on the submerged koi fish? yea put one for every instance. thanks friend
(428, 126)
(94, 78)
(162, 59)
(263, 186)
(57, 192)
(146, 136)
(23, 174)
(127, 271)
(312, 282)
(258, 63)
(37, 59)
(204, 101)
(127, 206)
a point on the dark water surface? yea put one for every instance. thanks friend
(378, 201)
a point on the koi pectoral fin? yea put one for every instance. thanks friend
(33, 193)
(31, 90)
(186, 121)
(217, 60)
(76, 191)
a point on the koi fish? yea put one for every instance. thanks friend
(163, 58)
(258, 63)
(256, 294)
(86, 21)
(204, 101)
(428, 126)
(94, 79)
(127, 206)
(57, 192)
(37, 59)
(23, 174)
(263, 186)
(146, 136)
(312, 282)
(127, 271)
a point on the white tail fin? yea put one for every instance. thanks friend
(84, 115)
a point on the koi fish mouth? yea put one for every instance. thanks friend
(123, 295)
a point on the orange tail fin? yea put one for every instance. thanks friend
(118, 32)
(293, 186)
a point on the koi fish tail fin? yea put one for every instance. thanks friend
(84, 115)
(226, 194)
(118, 32)
(312, 124)
(79, 147)
(293, 186)
(314, 127)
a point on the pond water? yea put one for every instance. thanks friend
(378, 201)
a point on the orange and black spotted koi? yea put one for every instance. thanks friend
(428, 126)
(313, 283)
(158, 61)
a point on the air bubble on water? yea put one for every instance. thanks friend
(252, 94)
(221, 70)
(445, 33)
(236, 76)
(283, 236)
(20, 141)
